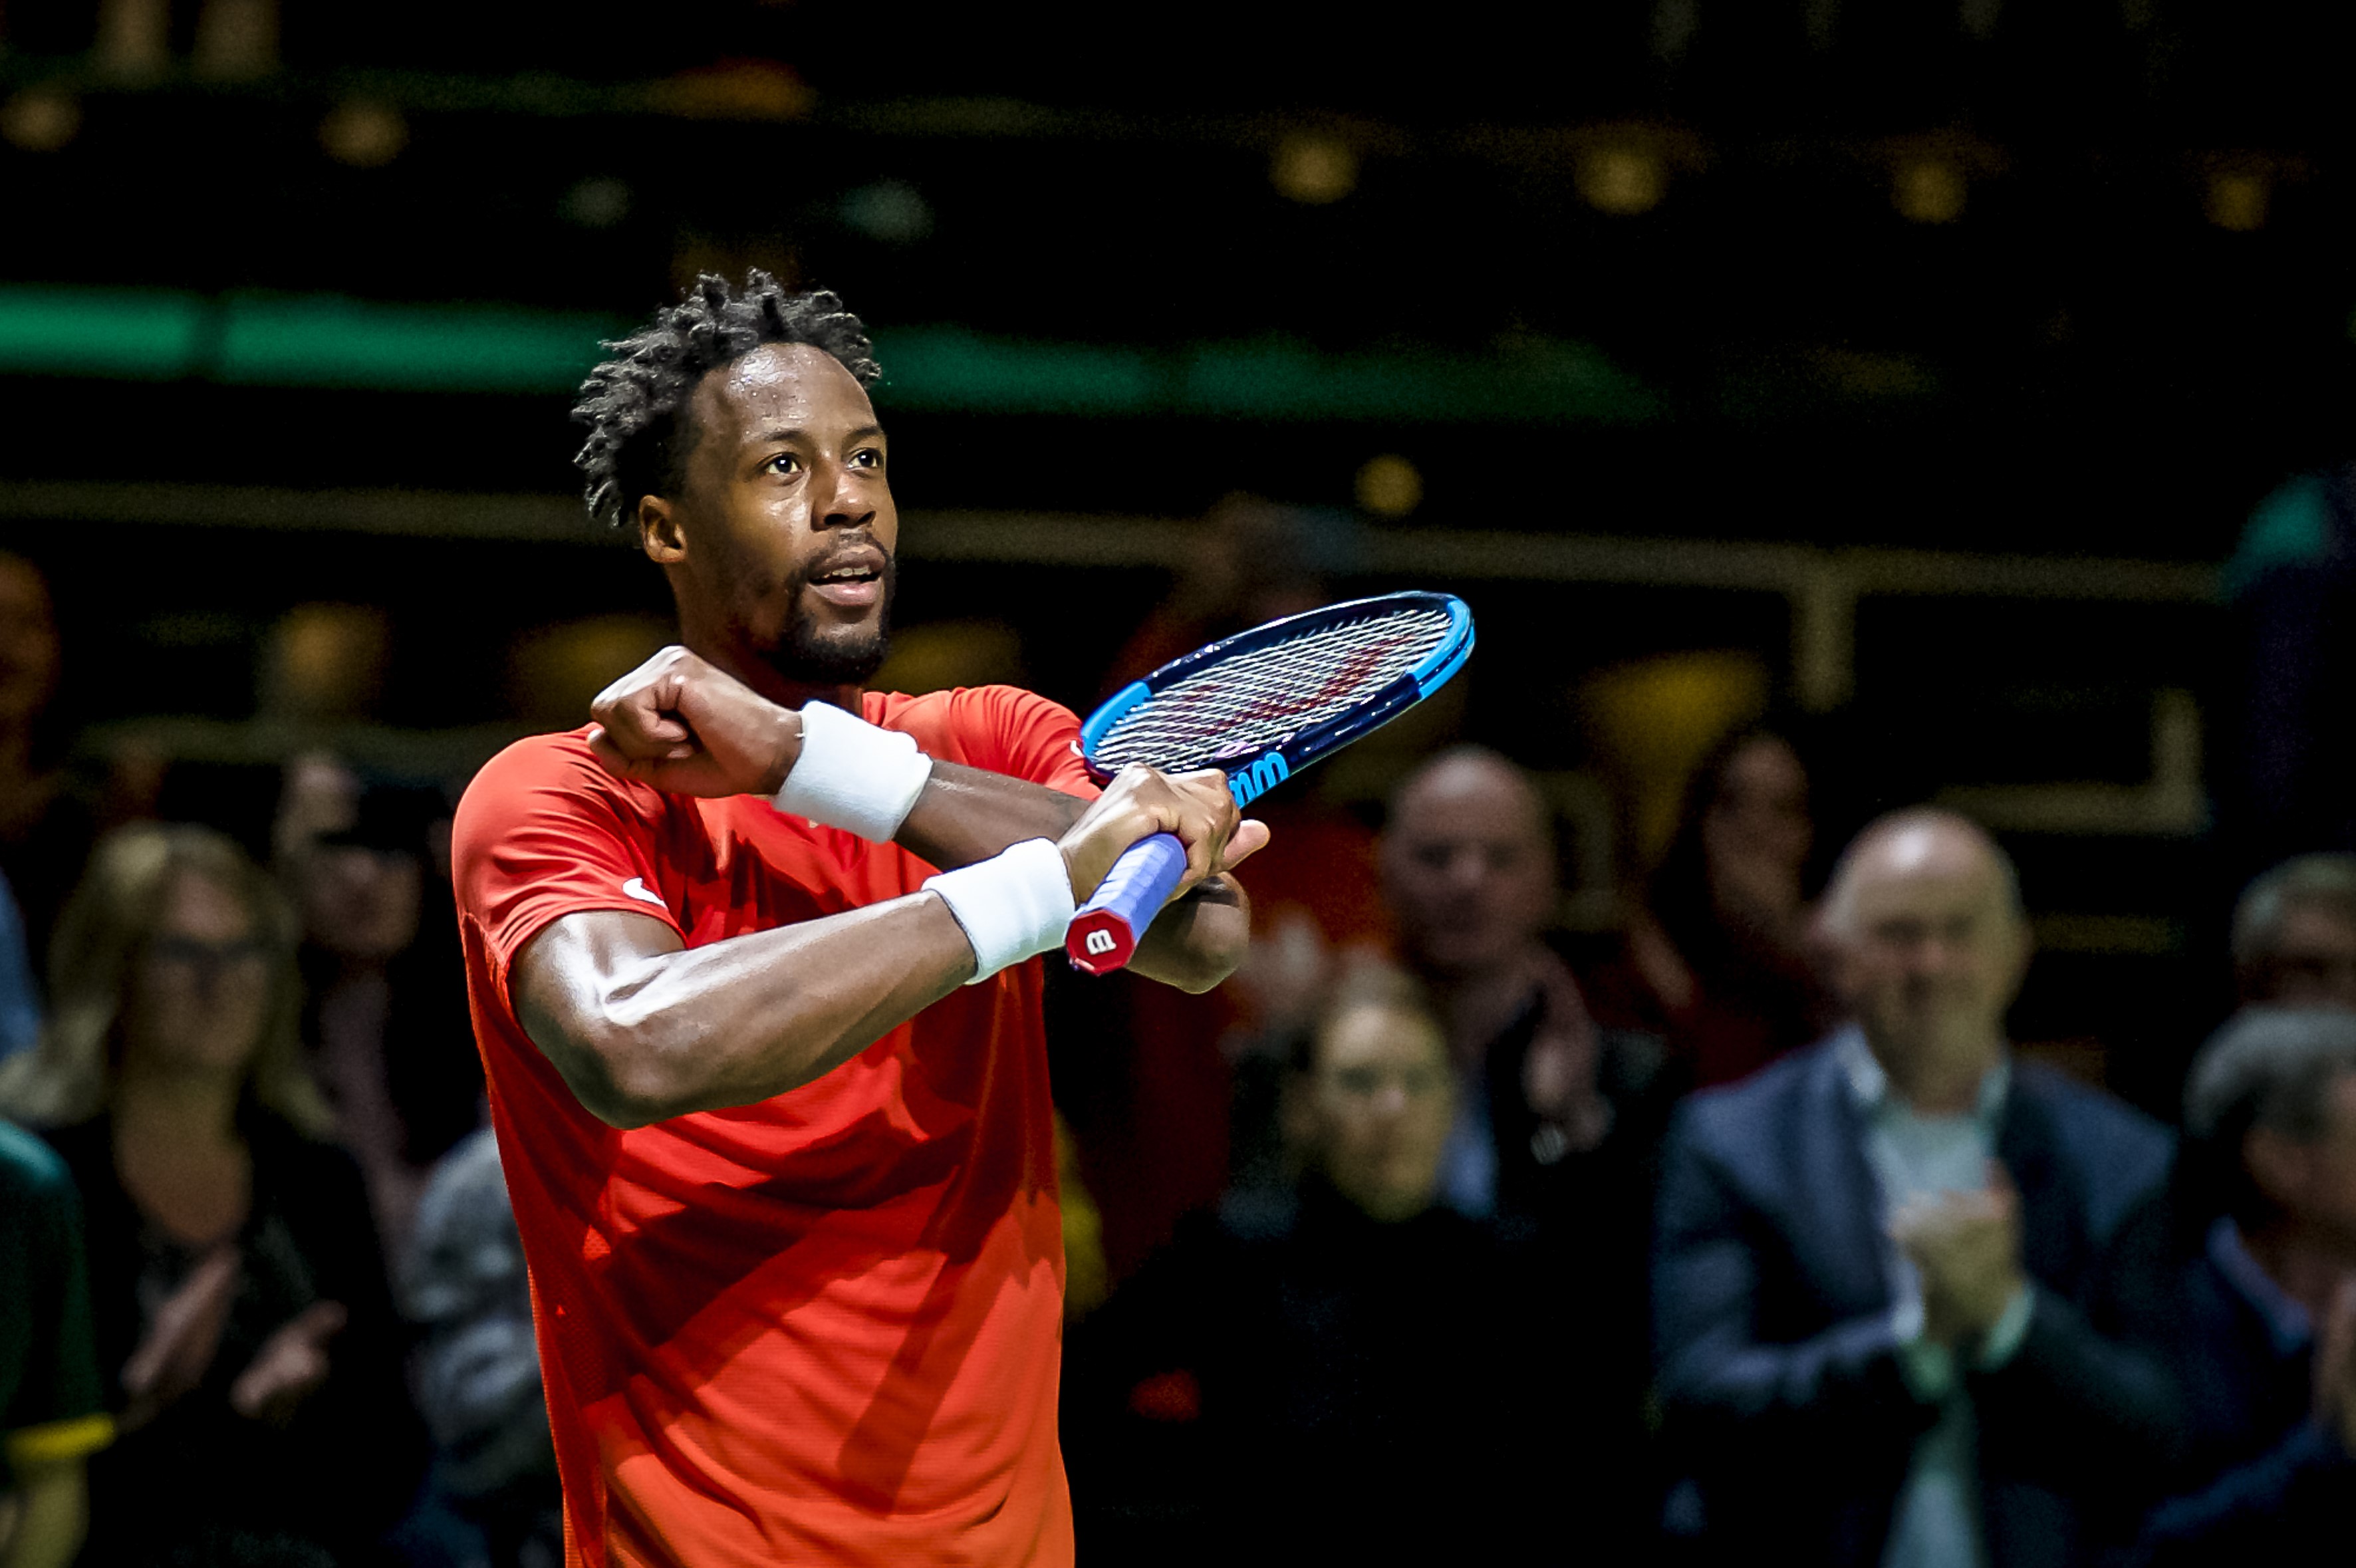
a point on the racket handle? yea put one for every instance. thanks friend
(1104, 934)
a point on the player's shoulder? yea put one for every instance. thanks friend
(538, 762)
(984, 722)
(542, 776)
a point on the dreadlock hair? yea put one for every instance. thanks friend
(635, 404)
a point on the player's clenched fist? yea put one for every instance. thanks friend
(687, 727)
(1141, 801)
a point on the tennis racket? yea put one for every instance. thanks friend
(1260, 706)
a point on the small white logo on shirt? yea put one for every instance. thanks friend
(636, 888)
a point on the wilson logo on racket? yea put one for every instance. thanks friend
(1249, 784)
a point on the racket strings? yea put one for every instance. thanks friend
(1248, 702)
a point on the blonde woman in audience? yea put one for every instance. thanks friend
(1361, 1373)
(241, 1315)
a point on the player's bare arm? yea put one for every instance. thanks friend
(681, 725)
(643, 1029)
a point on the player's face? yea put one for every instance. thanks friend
(787, 536)
(1383, 1100)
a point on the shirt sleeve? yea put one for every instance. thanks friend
(56, 1412)
(543, 831)
(1034, 738)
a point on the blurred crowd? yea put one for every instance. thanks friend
(1737, 1222)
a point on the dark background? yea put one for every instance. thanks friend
(2130, 322)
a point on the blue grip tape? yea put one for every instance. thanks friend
(1139, 882)
(1142, 880)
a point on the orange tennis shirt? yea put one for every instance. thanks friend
(820, 1330)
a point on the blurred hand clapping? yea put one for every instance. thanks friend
(1967, 1247)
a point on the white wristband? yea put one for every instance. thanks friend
(1013, 905)
(854, 775)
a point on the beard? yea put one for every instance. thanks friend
(813, 655)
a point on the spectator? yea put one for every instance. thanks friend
(477, 1373)
(1717, 964)
(1893, 1272)
(52, 1415)
(45, 824)
(2270, 1120)
(385, 1008)
(1366, 1376)
(241, 1315)
(1553, 1116)
(2295, 934)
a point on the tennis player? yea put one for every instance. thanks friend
(749, 959)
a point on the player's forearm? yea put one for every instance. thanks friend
(737, 1022)
(1200, 938)
(966, 815)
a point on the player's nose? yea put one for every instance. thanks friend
(838, 501)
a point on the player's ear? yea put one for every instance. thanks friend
(660, 534)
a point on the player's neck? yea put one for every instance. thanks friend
(763, 677)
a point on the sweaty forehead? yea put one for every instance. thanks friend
(781, 386)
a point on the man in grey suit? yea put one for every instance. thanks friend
(1896, 1274)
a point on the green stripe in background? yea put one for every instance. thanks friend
(144, 335)
(945, 367)
(327, 340)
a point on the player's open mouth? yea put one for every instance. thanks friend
(853, 584)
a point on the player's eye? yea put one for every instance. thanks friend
(783, 463)
(867, 457)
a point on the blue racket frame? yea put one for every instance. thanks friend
(1255, 773)
(1106, 929)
